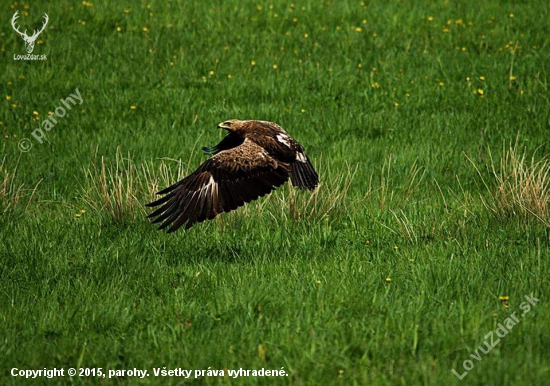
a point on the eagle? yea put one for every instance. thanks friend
(254, 158)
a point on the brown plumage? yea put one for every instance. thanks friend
(253, 159)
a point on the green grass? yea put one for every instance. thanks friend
(407, 116)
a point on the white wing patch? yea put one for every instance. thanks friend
(301, 157)
(211, 183)
(283, 138)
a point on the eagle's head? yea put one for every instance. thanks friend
(232, 125)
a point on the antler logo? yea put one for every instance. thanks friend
(29, 40)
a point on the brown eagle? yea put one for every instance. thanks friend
(254, 158)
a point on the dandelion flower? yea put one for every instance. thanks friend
(504, 298)
(8, 98)
(358, 29)
(388, 280)
(275, 67)
(430, 18)
(133, 107)
(482, 78)
(480, 91)
(253, 63)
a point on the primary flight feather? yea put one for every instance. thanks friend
(254, 158)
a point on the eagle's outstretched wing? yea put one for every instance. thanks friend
(223, 183)
(228, 142)
(283, 147)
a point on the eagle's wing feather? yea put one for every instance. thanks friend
(223, 183)
(283, 147)
(230, 141)
(303, 175)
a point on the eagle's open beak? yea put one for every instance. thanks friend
(223, 126)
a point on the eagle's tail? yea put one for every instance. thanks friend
(303, 175)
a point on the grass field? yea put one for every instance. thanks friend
(429, 124)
